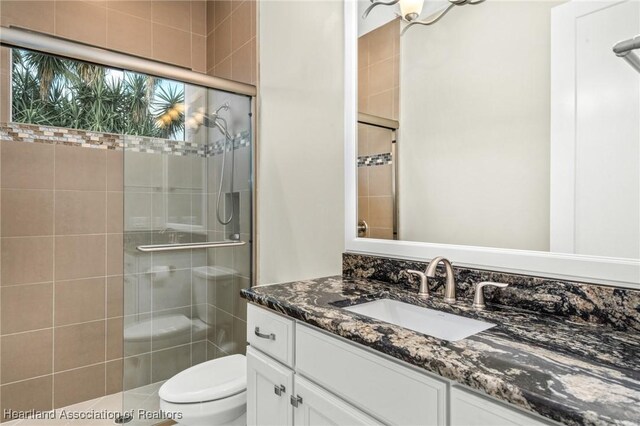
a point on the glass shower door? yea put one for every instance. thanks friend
(194, 185)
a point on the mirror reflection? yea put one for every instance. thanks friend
(505, 124)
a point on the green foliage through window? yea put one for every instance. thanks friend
(53, 91)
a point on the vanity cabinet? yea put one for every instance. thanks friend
(269, 386)
(471, 409)
(298, 375)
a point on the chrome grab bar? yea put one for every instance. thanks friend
(190, 246)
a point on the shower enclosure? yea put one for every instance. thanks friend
(127, 225)
(187, 222)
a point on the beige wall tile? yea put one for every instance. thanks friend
(114, 376)
(171, 45)
(241, 25)
(382, 233)
(199, 17)
(79, 345)
(115, 212)
(79, 385)
(222, 10)
(363, 51)
(138, 370)
(380, 180)
(26, 260)
(32, 394)
(381, 76)
(363, 181)
(363, 89)
(379, 140)
(26, 355)
(115, 296)
(114, 338)
(211, 60)
(26, 212)
(128, 34)
(381, 42)
(223, 69)
(222, 40)
(79, 301)
(199, 53)
(381, 104)
(169, 362)
(81, 168)
(115, 171)
(140, 9)
(381, 212)
(80, 212)
(26, 307)
(241, 64)
(80, 257)
(176, 14)
(363, 208)
(33, 15)
(27, 165)
(81, 21)
(115, 254)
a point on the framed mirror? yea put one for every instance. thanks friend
(502, 134)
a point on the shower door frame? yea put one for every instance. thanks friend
(15, 37)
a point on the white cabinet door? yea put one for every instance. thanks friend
(269, 387)
(468, 409)
(317, 407)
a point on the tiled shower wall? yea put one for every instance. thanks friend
(231, 40)
(378, 94)
(61, 273)
(214, 37)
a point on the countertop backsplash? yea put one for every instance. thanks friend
(616, 307)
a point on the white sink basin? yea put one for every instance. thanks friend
(423, 320)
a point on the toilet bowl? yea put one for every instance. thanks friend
(213, 393)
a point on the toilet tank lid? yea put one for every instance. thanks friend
(208, 381)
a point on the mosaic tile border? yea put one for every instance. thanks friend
(20, 132)
(375, 160)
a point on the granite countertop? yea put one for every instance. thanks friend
(572, 372)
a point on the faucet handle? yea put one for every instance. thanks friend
(424, 286)
(478, 299)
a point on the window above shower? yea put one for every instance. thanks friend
(55, 91)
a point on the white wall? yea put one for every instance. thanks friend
(474, 127)
(300, 151)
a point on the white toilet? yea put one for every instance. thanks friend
(213, 393)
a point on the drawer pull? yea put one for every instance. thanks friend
(296, 400)
(269, 336)
(279, 389)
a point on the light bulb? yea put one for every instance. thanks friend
(411, 9)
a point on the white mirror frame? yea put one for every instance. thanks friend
(601, 270)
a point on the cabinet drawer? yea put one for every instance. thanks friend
(382, 388)
(271, 333)
(471, 409)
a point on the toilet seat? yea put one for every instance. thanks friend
(209, 381)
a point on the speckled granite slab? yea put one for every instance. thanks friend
(619, 308)
(573, 372)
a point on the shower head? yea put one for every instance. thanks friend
(626, 50)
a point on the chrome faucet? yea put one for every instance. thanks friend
(450, 287)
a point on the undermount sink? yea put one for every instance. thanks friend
(423, 320)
